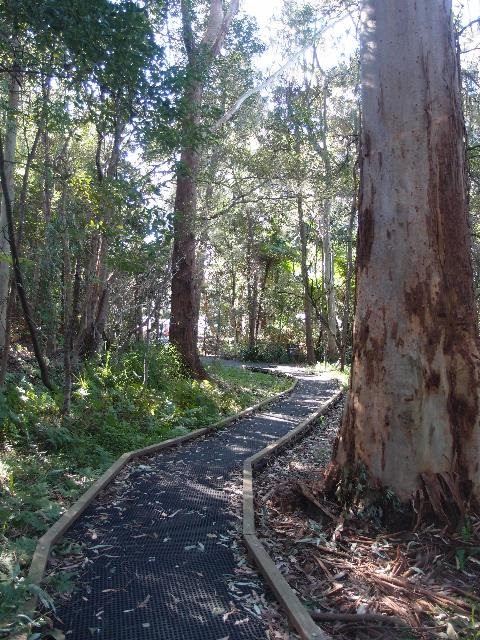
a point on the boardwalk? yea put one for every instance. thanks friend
(159, 540)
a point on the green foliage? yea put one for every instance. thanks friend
(266, 351)
(369, 502)
(120, 402)
(343, 376)
(462, 554)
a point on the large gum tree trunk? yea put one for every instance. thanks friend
(412, 415)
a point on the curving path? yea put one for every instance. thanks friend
(161, 555)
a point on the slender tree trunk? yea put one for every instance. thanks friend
(200, 56)
(18, 273)
(233, 305)
(252, 296)
(413, 409)
(332, 351)
(183, 316)
(307, 301)
(260, 315)
(348, 277)
(22, 202)
(92, 333)
(46, 311)
(9, 156)
(67, 306)
(252, 286)
(348, 286)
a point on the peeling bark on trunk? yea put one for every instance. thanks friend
(412, 415)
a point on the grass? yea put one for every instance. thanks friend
(47, 461)
(343, 376)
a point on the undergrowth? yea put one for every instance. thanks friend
(47, 461)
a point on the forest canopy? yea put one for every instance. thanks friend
(184, 179)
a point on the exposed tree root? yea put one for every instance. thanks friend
(441, 496)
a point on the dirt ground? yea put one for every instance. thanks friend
(359, 579)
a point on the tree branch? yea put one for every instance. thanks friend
(228, 115)
(187, 31)
(467, 26)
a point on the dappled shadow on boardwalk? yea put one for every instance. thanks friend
(161, 542)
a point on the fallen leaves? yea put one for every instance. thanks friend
(362, 580)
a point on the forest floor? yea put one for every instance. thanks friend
(351, 571)
(47, 460)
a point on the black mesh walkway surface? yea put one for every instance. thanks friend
(159, 540)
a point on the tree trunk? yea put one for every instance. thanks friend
(348, 277)
(46, 311)
(183, 314)
(331, 350)
(252, 298)
(67, 305)
(233, 305)
(412, 415)
(22, 202)
(307, 301)
(18, 273)
(9, 154)
(261, 316)
(252, 287)
(348, 285)
(91, 334)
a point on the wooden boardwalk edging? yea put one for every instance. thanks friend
(44, 546)
(295, 610)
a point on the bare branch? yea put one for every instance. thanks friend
(228, 115)
(467, 26)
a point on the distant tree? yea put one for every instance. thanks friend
(200, 55)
